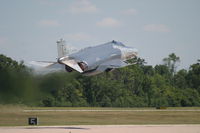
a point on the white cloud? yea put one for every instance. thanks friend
(78, 37)
(156, 28)
(130, 12)
(108, 22)
(82, 6)
(49, 23)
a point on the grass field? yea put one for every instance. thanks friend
(17, 116)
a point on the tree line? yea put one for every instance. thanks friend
(137, 85)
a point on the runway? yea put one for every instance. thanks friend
(104, 129)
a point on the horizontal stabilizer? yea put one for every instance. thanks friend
(40, 63)
(44, 67)
(71, 63)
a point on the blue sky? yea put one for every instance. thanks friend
(29, 29)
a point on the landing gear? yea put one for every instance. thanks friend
(108, 69)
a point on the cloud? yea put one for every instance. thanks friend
(78, 37)
(49, 23)
(130, 12)
(156, 28)
(82, 6)
(108, 22)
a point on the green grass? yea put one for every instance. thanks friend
(15, 116)
(110, 108)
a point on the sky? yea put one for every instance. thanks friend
(29, 29)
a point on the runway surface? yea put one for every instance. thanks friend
(104, 129)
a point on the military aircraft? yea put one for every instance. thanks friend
(91, 60)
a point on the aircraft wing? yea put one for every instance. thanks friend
(115, 63)
(112, 64)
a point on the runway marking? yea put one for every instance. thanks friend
(88, 110)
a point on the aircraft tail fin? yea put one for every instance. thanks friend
(61, 47)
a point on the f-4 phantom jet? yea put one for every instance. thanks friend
(92, 60)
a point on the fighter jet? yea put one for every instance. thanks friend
(92, 60)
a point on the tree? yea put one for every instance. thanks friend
(172, 62)
(137, 85)
(137, 60)
(16, 84)
(193, 77)
(180, 80)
